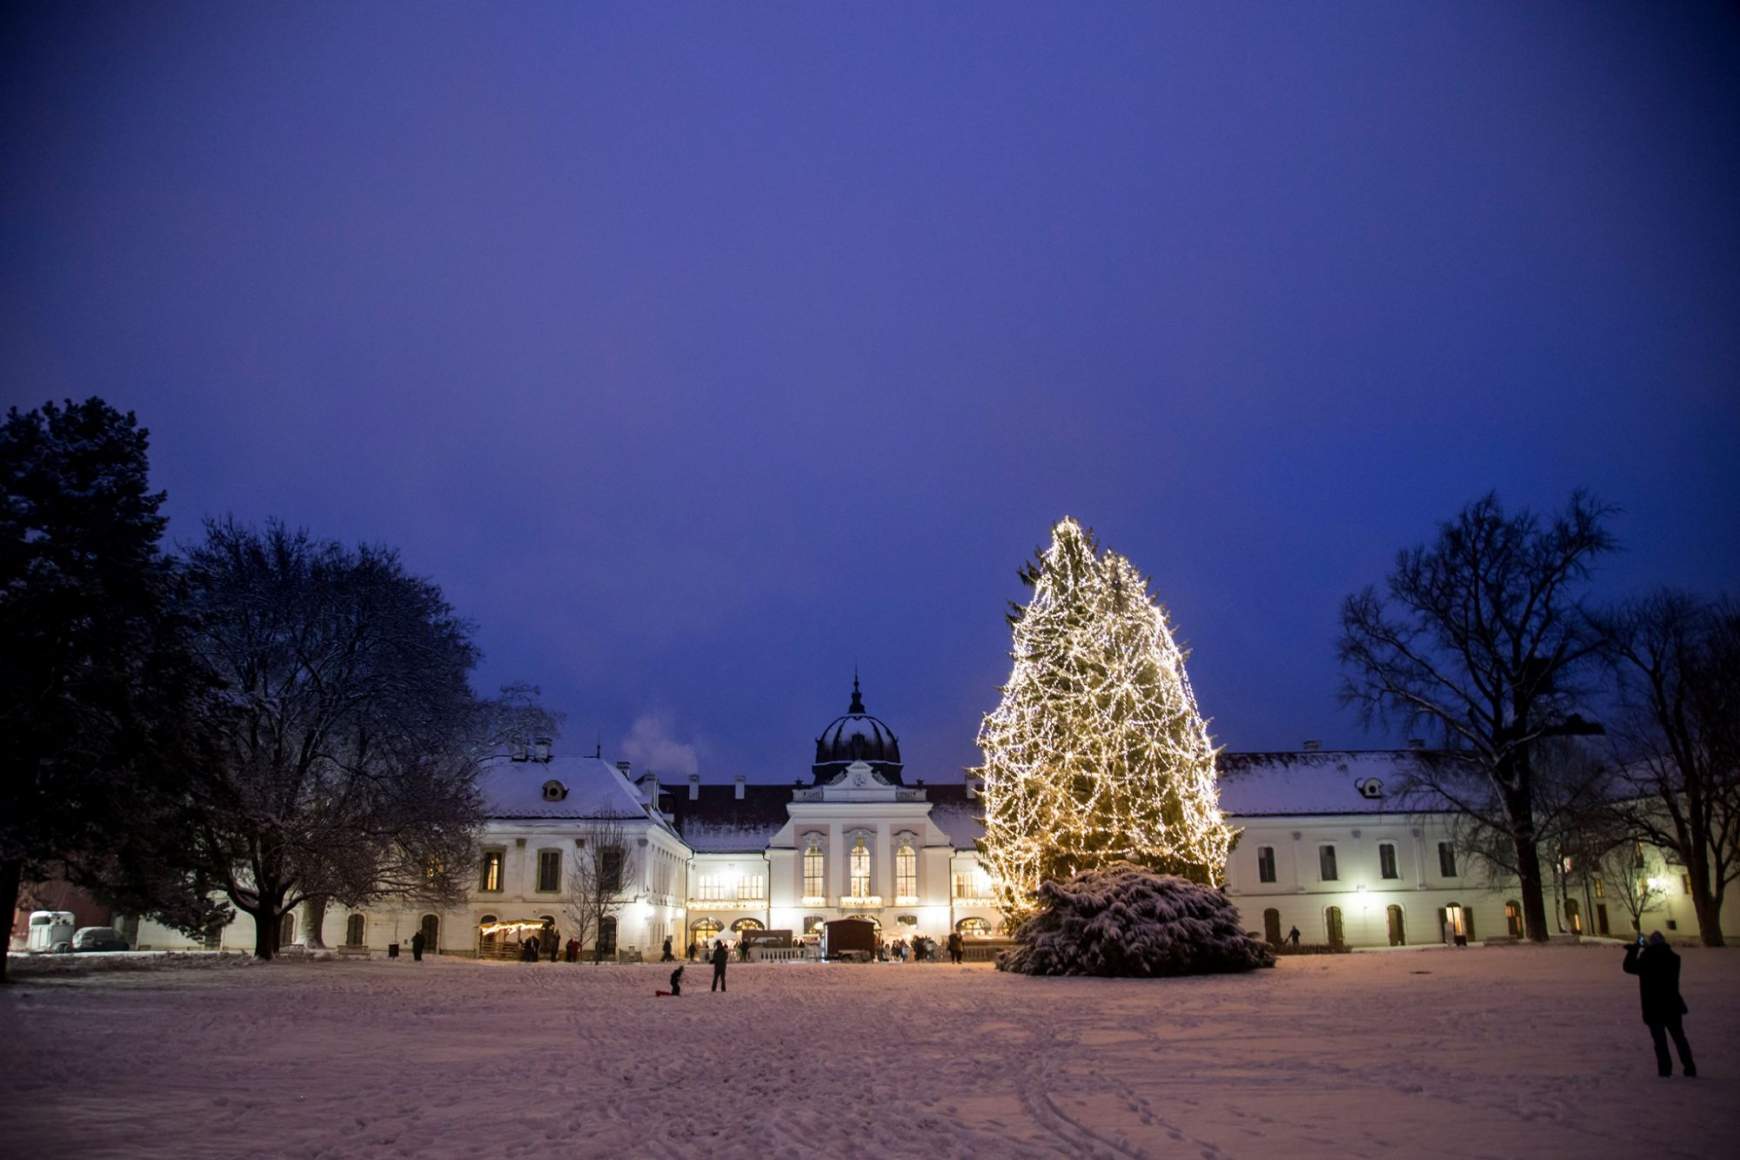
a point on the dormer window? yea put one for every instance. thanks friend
(554, 791)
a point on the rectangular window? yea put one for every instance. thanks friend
(906, 872)
(549, 870)
(751, 888)
(1446, 860)
(1326, 863)
(1600, 890)
(710, 889)
(813, 885)
(610, 869)
(490, 881)
(1685, 883)
(1265, 863)
(1387, 860)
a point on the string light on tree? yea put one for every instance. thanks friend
(1097, 753)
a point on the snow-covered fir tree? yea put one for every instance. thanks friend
(1097, 753)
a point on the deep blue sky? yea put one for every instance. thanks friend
(701, 352)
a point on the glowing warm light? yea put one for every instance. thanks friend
(1097, 752)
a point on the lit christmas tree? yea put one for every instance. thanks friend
(1097, 753)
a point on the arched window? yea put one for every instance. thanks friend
(905, 870)
(353, 931)
(974, 928)
(813, 924)
(706, 929)
(744, 924)
(860, 866)
(815, 884)
(1272, 926)
(1513, 919)
(1332, 925)
(287, 930)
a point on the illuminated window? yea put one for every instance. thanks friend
(906, 870)
(1326, 864)
(860, 867)
(1513, 919)
(706, 929)
(711, 888)
(1387, 860)
(549, 870)
(751, 888)
(1600, 888)
(1265, 863)
(490, 882)
(812, 924)
(974, 928)
(814, 886)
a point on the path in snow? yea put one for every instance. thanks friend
(1485, 1052)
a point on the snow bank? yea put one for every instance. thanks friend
(1124, 921)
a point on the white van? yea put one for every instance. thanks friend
(50, 930)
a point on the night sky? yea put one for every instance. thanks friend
(701, 353)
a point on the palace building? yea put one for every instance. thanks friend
(1325, 847)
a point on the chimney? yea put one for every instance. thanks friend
(694, 786)
(1313, 746)
(737, 786)
(649, 784)
(541, 749)
(1416, 743)
(622, 767)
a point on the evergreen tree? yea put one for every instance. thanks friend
(1096, 754)
(97, 687)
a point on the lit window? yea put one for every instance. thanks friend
(906, 870)
(814, 887)
(860, 866)
(1265, 863)
(751, 888)
(711, 889)
(1387, 860)
(491, 880)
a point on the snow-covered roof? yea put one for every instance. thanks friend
(717, 821)
(590, 787)
(960, 817)
(1330, 781)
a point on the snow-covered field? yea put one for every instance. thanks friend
(1482, 1052)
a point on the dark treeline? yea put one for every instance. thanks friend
(1567, 729)
(265, 721)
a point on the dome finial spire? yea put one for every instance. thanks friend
(857, 705)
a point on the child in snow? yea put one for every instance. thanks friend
(677, 981)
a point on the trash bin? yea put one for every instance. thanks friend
(392, 950)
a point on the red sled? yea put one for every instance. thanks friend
(662, 995)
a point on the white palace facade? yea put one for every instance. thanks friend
(1325, 847)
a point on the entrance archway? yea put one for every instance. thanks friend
(1398, 930)
(606, 936)
(1272, 926)
(353, 931)
(431, 927)
(1332, 924)
(705, 930)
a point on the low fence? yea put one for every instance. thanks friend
(779, 954)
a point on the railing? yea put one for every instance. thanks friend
(778, 954)
(981, 950)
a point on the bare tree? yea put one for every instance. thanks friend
(602, 866)
(348, 737)
(1677, 661)
(1480, 636)
(1625, 869)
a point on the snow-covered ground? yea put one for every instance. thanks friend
(1482, 1052)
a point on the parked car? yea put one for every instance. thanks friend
(98, 938)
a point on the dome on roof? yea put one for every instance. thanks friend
(857, 736)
